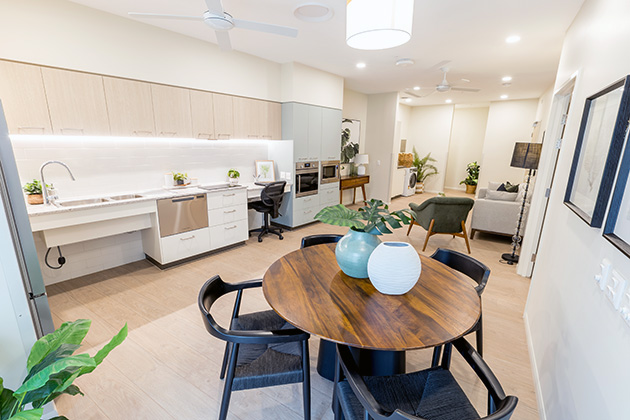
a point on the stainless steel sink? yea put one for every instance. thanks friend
(125, 197)
(216, 187)
(73, 203)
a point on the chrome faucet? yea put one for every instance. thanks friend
(48, 199)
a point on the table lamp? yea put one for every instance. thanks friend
(526, 156)
(361, 160)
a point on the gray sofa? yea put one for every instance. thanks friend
(498, 212)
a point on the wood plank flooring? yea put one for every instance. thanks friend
(168, 368)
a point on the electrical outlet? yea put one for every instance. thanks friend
(615, 288)
(624, 307)
(604, 276)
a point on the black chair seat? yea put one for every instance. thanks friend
(431, 394)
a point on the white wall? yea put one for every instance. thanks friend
(430, 131)
(508, 122)
(579, 342)
(467, 136)
(355, 107)
(305, 84)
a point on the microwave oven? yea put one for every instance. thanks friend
(330, 171)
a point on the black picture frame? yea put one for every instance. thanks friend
(620, 201)
(604, 188)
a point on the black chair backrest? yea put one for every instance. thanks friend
(465, 264)
(271, 196)
(320, 239)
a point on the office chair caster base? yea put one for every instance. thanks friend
(259, 239)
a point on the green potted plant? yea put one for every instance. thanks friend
(52, 368)
(354, 249)
(33, 192)
(233, 176)
(473, 177)
(425, 169)
(180, 178)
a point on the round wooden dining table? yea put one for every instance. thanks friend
(307, 288)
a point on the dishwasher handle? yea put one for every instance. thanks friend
(178, 200)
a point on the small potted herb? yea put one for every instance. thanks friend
(33, 192)
(180, 178)
(473, 177)
(233, 176)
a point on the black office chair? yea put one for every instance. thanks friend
(327, 349)
(477, 271)
(269, 205)
(430, 394)
(261, 350)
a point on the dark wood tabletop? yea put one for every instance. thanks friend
(307, 288)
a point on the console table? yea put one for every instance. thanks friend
(354, 182)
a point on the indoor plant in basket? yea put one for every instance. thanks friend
(473, 176)
(233, 176)
(425, 169)
(52, 368)
(354, 249)
(33, 192)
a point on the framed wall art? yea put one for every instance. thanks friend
(599, 144)
(265, 171)
(617, 227)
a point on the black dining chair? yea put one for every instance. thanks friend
(261, 350)
(477, 271)
(430, 394)
(269, 206)
(326, 352)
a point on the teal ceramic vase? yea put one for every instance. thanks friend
(353, 252)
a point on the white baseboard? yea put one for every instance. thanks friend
(532, 359)
(459, 188)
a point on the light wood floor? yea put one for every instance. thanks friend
(169, 365)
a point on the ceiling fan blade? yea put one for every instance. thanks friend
(215, 7)
(163, 16)
(429, 94)
(266, 27)
(461, 89)
(223, 39)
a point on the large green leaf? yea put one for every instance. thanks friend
(64, 350)
(340, 215)
(113, 343)
(7, 401)
(68, 333)
(42, 377)
(71, 390)
(35, 414)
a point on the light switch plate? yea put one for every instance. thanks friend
(624, 307)
(615, 288)
(603, 277)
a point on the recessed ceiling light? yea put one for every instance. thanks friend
(504, 96)
(512, 39)
(313, 12)
(448, 101)
(407, 99)
(466, 80)
(507, 79)
(405, 62)
(361, 65)
(416, 88)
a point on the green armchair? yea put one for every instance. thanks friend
(442, 215)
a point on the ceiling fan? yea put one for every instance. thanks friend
(444, 86)
(222, 22)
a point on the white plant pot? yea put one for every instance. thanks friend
(233, 181)
(394, 268)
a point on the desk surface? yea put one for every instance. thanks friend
(307, 288)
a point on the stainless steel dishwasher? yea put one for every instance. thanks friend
(182, 214)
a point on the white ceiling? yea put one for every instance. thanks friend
(468, 33)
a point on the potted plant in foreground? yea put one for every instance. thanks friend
(425, 169)
(354, 249)
(33, 192)
(233, 176)
(52, 368)
(473, 177)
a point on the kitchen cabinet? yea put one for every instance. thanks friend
(314, 132)
(184, 245)
(295, 127)
(76, 102)
(274, 120)
(24, 98)
(223, 116)
(331, 134)
(129, 106)
(247, 118)
(227, 217)
(202, 111)
(171, 106)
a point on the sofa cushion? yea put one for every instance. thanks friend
(501, 195)
(493, 186)
(511, 187)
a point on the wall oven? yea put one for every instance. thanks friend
(330, 171)
(306, 178)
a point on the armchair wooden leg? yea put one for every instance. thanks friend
(465, 236)
(429, 233)
(410, 226)
(472, 233)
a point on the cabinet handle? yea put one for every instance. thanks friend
(204, 136)
(231, 211)
(168, 133)
(226, 136)
(135, 133)
(231, 227)
(80, 130)
(186, 239)
(252, 136)
(229, 195)
(42, 129)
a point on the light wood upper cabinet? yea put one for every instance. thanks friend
(273, 121)
(24, 99)
(76, 102)
(171, 107)
(223, 116)
(202, 110)
(247, 118)
(129, 107)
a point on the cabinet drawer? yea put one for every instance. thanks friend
(329, 197)
(228, 234)
(305, 202)
(220, 199)
(304, 216)
(227, 215)
(183, 245)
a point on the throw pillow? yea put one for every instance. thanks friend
(500, 195)
(492, 186)
(501, 188)
(511, 187)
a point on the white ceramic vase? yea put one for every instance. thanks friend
(394, 268)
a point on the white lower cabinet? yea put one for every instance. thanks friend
(228, 234)
(227, 215)
(184, 245)
(329, 197)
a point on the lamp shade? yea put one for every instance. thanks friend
(526, 155)
(378, 24)
(361, 159)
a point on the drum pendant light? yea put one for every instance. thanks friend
(378, 24)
